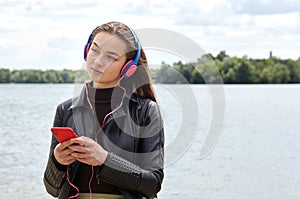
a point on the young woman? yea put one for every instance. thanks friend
(119, 151)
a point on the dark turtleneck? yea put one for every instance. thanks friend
(101, 100)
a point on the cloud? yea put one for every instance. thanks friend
(64, 43)
(56, 9)
(222, 27)
(150, 8)
(42, 33)
(297, 26)
(194, 14)
(11, 3)
(259, 7)
(58, 5)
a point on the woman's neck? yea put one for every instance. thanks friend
(105, 84)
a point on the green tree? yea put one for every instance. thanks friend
(244, 72)
(67, 76)
(222, 55)
(4, 75)
(276, 74)
(227, 70)
(294, 70)
(196, 77)
(208, 70)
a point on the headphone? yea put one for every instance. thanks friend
(130, 67)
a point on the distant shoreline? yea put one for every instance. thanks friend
(208, 69)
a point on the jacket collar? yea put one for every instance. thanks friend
(79, 100)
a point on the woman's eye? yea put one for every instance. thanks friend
(94, 52)
(111, 58)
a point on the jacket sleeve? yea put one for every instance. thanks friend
(147, 174)
(54, 173)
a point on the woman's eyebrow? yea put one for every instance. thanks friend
(110, 52)
(96, 44)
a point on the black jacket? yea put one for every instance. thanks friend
(133, 136)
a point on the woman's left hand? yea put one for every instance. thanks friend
(87, 151)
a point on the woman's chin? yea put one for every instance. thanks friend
(95, 77)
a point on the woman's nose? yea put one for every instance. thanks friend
(99, 60)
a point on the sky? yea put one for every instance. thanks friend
(39, 34)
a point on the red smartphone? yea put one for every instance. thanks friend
(63, 134)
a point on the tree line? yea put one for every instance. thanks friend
(37, 76)
(230, 70)
(207, 69)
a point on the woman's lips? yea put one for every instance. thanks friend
(96, 71)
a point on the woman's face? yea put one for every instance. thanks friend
(105, 59)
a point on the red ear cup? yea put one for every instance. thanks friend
(131, 70)
(125, 66)
(128, 69)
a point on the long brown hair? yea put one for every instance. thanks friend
(140, 81)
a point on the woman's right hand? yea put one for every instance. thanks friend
(62, 153)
